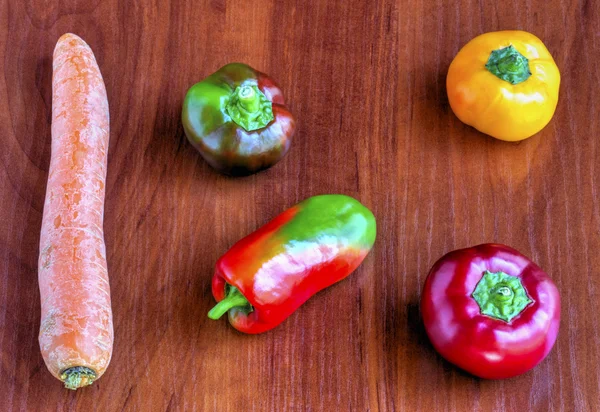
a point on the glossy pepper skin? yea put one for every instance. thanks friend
(490, 311)
(237, 119)
(267, 275)
(505, 84)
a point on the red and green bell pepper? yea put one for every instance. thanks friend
(490, 310)
(237, 119)
(267, 275)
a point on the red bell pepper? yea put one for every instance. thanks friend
(490, 311)
(267, 275)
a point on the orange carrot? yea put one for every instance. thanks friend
(76, 331)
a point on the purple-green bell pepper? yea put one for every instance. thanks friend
(237, 119)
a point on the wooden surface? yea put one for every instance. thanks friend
(366, 81)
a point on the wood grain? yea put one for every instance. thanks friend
(366, 80)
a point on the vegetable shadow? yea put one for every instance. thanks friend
(22, 307)
(416, 329)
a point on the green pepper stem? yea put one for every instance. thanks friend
(509, 65)
(233, 299)
(78, 377)
(501, 296)
(247, 99)
(249, 108)
(504, 291)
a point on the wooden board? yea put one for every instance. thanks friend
(366, 80)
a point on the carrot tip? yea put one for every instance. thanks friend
(78, 377)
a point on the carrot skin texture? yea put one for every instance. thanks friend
(76, 324)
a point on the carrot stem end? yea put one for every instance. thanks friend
(78, 377)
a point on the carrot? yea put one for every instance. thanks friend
(76, 331)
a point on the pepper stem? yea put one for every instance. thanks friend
(249, 108)
(500, 296)
(247, 99)
(504, 292)
(509, 65)
(78, 377)
(234, 298)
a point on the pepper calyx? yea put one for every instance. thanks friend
(500, 296)
(509, 65)
(233, 298)
(249, 108)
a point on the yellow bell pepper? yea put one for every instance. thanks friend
(504, 84)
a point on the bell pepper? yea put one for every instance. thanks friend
(490, 311)
(504, 84)
(267, 275)
(237, 119)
